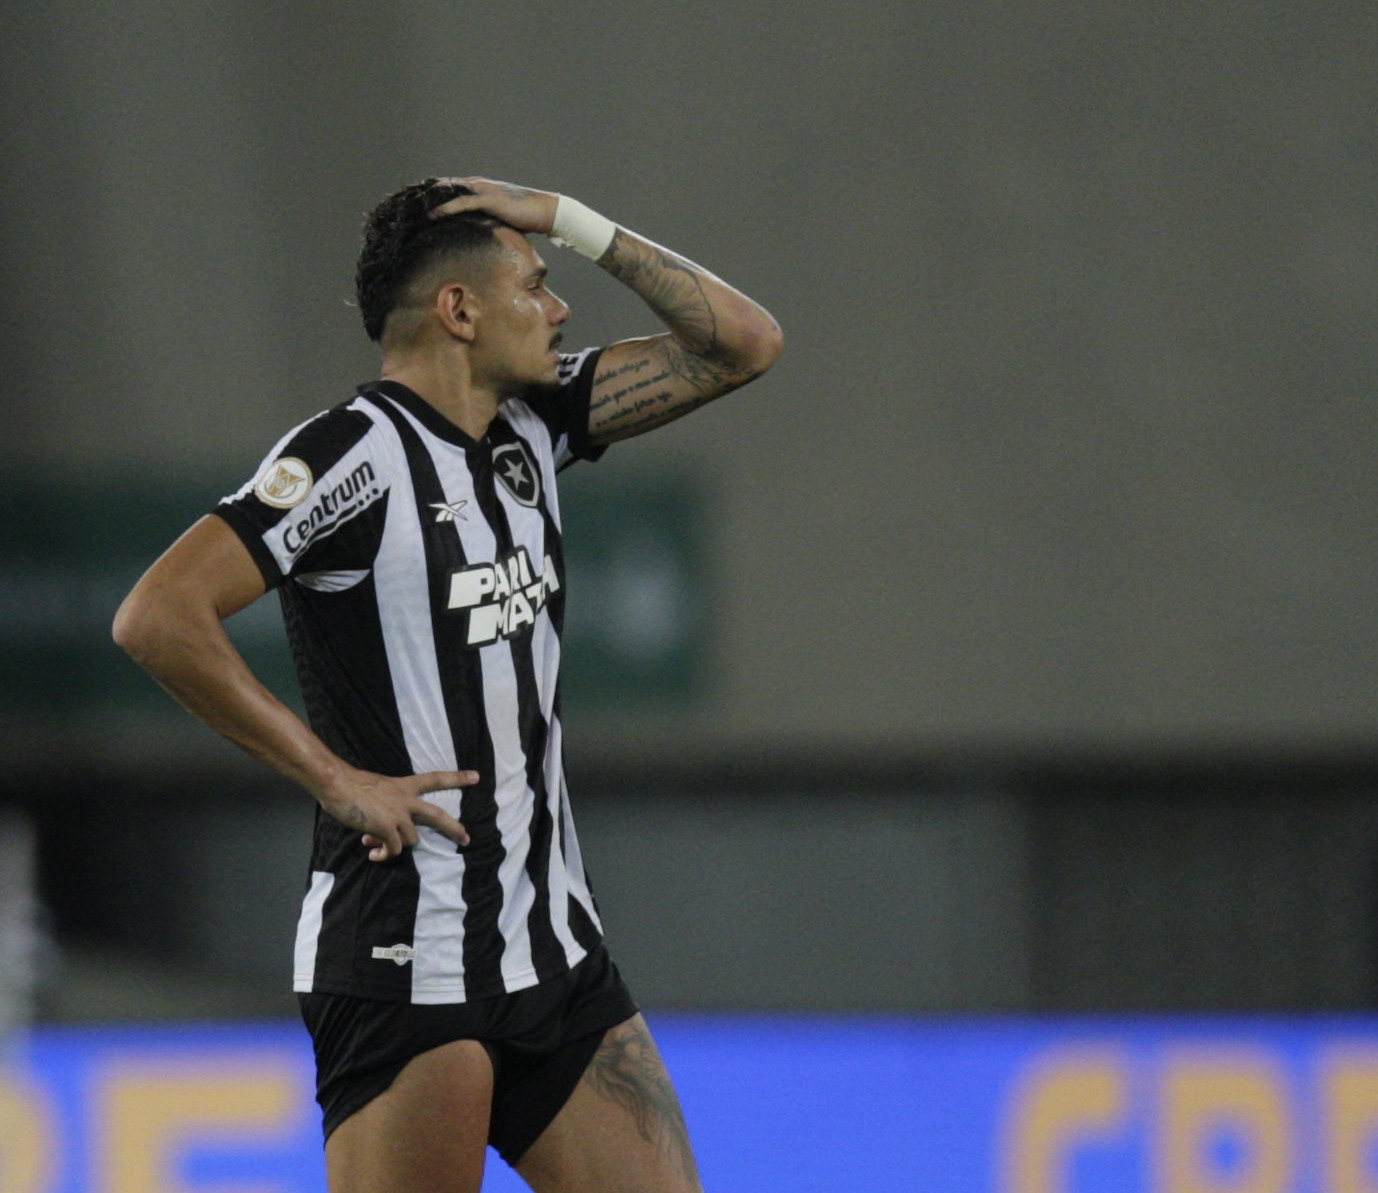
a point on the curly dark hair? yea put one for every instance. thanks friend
(400, 241)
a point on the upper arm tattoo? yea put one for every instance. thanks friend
(635, 396)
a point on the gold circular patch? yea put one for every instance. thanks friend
(285, 482)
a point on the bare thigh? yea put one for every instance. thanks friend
(427, 1133)
(622, 1130)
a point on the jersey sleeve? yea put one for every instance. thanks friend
(306, 509)
(565, 410)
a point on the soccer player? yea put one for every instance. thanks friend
(449, 956)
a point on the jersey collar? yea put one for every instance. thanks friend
(420, 409)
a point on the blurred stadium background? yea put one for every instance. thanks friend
(972, 724)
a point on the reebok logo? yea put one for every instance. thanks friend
(448, 511)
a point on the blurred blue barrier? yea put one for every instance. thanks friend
(1082, 1105)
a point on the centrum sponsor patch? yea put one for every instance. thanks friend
(330, 507)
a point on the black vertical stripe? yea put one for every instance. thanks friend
(581, 924)
(380, 896)
(461, 685)
(352, 710)
(342, 668)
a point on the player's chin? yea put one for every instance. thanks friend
(550, 371)
(538, 387)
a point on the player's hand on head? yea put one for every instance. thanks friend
(525, 209)
(387, 810)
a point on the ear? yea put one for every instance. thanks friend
(456, 305)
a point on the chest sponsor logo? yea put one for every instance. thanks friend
(284, 483)
(502, 598)
(513, 466)
(399, 954)
(330, 507)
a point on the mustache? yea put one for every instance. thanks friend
(556, 340)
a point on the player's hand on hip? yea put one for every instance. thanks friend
(387, 810)
(524, 209)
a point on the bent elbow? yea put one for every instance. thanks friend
(134, 627)
(125, 628)
(761, 344)
(770, 346)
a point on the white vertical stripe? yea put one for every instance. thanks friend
(405, 613)
(514, 800)
(438, 937)
(309, 930)
(404, 609)
(560, 878)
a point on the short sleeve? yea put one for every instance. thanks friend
(307, 508)
(565, 410)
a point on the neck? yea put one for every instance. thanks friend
(446, 384)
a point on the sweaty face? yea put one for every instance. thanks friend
(515, 347)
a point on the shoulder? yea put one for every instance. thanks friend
(324, 437)
(340, 426)
(323, 440)
(575, 365)
(554, 404)
(340, 437)
(562, 411)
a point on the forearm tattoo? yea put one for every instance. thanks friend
(669, 285)
(627, 1070)
(673, 288)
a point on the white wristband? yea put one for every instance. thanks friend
(579, 228)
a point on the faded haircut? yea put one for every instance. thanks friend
(401, 241)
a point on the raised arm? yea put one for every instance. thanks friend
(717, 339)
(171, 624)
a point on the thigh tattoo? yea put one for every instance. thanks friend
(627, 1070)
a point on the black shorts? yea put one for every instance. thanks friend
(540, 1039)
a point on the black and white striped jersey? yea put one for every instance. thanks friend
(422, 584)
